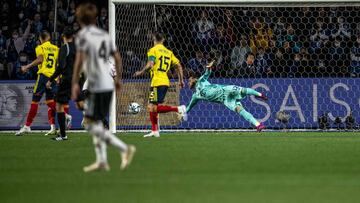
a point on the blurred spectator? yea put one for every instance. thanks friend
(278, 63)
(295, 66)
(30, 45)
(320, 36)
(197, 64)
(292, 38)
(337, 57)
(355, 57)
(18, 74)
(102, 19)
(230, 27)
(37, 25)
(262, 63)
(239, 52)
(2, 41)
(248, 67)
(71, 13)
(341, 30)
(17, 42)
(5, 17)
(132, 62)
(203, 29)
(260, 35)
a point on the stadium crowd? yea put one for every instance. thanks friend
(266, 42)
(246, 42)
(20, 29)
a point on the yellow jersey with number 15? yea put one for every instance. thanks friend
(163, 59)
(50, 54)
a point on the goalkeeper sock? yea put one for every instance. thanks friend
(165, 109)
(32, 113)
(249, 117)
(51, 111)
(61, 121)
(249, 91)
(154, 121)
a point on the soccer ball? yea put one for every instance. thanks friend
(282, 116)
(134, 108)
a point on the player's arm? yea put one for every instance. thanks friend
(208, 71)
(79, 59)
(148, 66)
(192, 103)
(118, 69)
(39, 59)
(180, 71)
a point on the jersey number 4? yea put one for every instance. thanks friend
(102, 51)
(164, 64)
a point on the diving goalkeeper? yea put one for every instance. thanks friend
(229, 95)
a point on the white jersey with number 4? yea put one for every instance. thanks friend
(98, 47)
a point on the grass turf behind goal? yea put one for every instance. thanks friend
(185, 167)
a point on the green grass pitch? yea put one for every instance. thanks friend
(185, 167)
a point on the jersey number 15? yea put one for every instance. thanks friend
(164, 64)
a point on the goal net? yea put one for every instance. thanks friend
(304, 56)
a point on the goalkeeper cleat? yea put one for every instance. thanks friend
(96, 167)
(52, 131)
(260, 127)
(263, 97)
(126, 157)
(182, 112)
(153, 134)
(68, 121)
(25, 129)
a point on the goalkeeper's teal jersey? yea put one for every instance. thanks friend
(207, 91)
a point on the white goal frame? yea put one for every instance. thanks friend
(254, 3)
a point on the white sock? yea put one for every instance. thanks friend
(97, 147)
(114, 141)
(103, 151)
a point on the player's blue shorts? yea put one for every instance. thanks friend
(157, 94)
(40, 89)
(233, 95)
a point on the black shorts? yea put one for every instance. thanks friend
(157, 94)
(97, 105)
(63, 93)
(82, 96)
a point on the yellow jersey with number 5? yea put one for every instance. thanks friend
(163, 59)
(50, 54)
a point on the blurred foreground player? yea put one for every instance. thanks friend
(65, 70)
(47, 55)
(94, 47)
(229, 95)
(160, 60)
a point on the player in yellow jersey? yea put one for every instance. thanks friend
(160, 59)
(47, 55)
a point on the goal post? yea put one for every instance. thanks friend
(302, 53)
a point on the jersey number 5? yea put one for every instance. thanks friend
(164, 64)
(50, 61)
